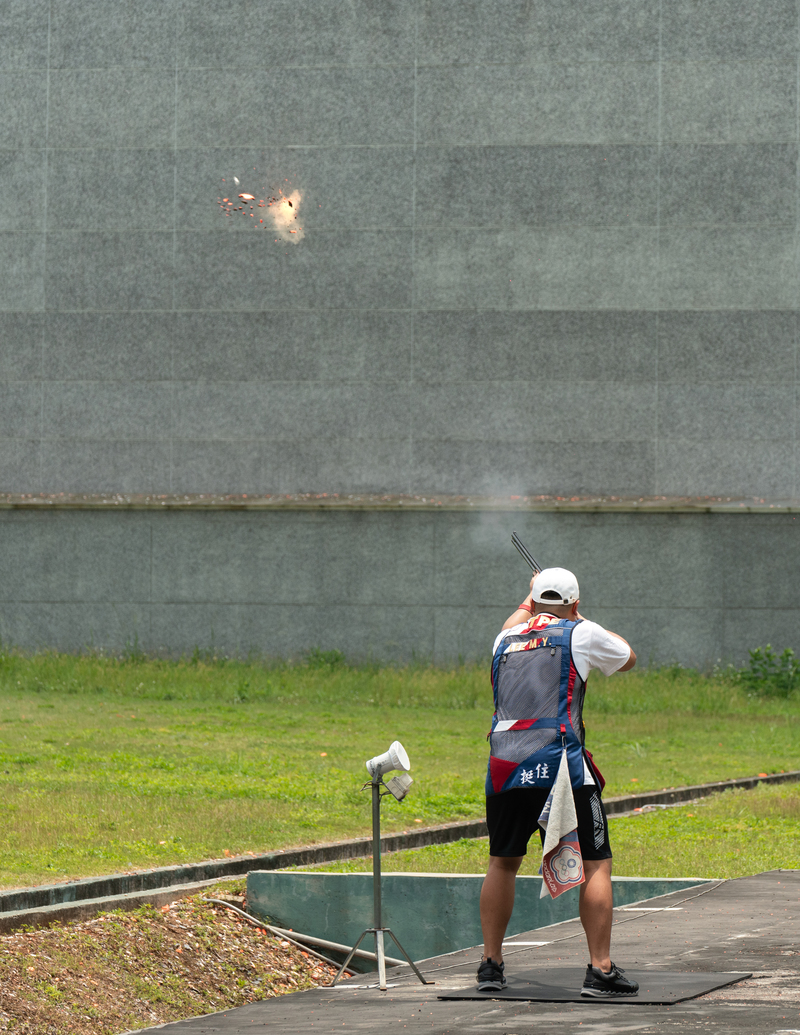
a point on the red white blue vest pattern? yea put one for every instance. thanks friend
(538, 701)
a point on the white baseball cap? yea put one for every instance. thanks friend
(555, 580)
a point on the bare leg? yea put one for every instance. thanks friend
(497, 902)
(596, 905)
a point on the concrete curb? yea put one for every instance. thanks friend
(616, 806)
(77, 900)
(72, 912)
(196, 873)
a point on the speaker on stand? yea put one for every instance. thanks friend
(395, 759)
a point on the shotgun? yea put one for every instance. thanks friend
(525, 553)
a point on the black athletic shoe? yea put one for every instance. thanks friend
(490, 976)
(601, 985)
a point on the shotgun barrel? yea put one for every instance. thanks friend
(525, 553)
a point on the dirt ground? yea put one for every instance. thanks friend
(123, 971)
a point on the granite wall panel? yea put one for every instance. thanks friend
(22, 286)
(504, 346)
(351, 269)
(76, 626)
(84, 561)
(344, 465)
(763, 469)
(21, 340)
(111, 189)
(114, 270)
(299, 346)
(105, 466)
(506, 206)
(20, 408)
(569, 411)
(393, 585)
(729, 30)
(581, 268)
(119, 347)
(537, 465)
(728, 267)
(90, 410)
(522, 32)
(19, 462)
(712, 183)
(22, 199)
(23, 34)
(111, 107)
(96, 34)
(755, 347)
(285, 411)
(545, 103)
(271, 33)
(294, 106)
(581, 184)
(547, 196)
(23, 108)
(729, 102)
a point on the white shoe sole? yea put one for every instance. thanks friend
(597, 993)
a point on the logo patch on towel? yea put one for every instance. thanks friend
(567, 866)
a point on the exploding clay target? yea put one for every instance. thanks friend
(282, 211)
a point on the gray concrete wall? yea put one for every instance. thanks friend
(550, 246)
(434, 585)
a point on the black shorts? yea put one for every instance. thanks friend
(512, 817)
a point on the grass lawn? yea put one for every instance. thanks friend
(109, 764)
(726, 835)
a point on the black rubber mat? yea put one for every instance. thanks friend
(563, 985)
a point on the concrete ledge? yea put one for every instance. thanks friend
(85, 909)
(617, 806)
(373, 501)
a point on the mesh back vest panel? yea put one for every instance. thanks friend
(538, 700)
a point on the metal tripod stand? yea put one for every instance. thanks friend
(378, 929)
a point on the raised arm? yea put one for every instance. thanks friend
(523, 612)
(631, 660)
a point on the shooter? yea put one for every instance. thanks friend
(541, 661)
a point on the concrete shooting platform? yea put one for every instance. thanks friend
(711, 932)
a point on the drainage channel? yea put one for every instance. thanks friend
(80, 899)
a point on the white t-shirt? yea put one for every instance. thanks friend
(592, 648)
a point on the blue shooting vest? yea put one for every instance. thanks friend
(538, 700)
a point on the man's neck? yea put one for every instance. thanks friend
(554, 612)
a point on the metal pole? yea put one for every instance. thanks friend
(377, 924)
(377, 920)
(381, 954)
(376, 854)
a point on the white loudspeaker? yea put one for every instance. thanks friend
(394, 758)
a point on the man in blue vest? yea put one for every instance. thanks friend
(542, 659)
